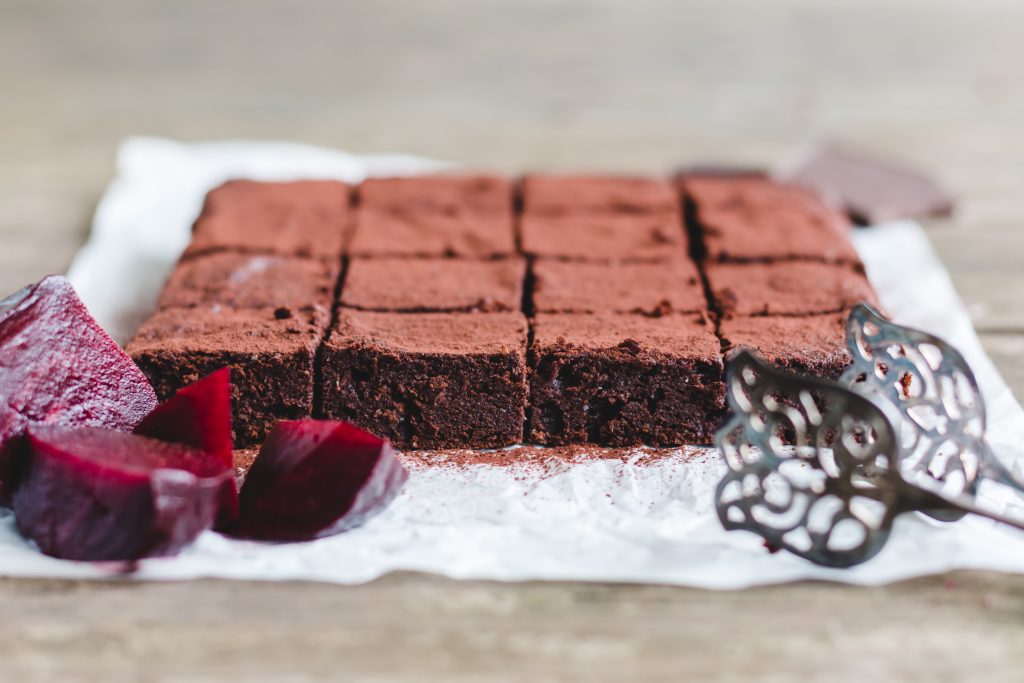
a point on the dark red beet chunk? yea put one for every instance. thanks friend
(316, 478)
(100, 494)
(199, 416)
(58, 366)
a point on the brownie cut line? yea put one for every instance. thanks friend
(428, 380)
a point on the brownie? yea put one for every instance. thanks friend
(438, 194)
(434, 284)
(270, 352)
(756, 219)
(428, 380)
(301, 218)
(812, 345)
(239, 280)
(604, 237)
(786, 288)
(645, 288)
(622, 380)
(556, 194)
(460, 233)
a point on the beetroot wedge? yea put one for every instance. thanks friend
(99, 494)
(58, 366)
(315, 478)
(199, 416)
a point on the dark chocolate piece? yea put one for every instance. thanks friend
(646, 288)
(302, 218)
(431, 285)
(583, 194)
(624, 237)
(250, 281)
(871, 190)
(786, 288)
(812, 345)
(431, 380)
(270, 353)
(622, 380)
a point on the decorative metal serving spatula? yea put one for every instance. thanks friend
(822, 470)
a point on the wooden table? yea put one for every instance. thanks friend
(522, 84)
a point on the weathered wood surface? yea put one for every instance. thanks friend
(512, 85)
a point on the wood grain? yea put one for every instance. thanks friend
(513, 85)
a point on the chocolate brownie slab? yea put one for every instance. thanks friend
(581, 194)
(625, 237)
(438, 194)
(434, 284)
(430, 380)
(646, 288)
(623, 380)
(756, 219)
(239, 280)
(463, 234)
(270, 353)
(302, 218)
(786, 288)
(813, 345)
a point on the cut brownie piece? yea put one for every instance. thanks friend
(251, 281)
(302, 218)
(786, 288)
(430, 380)
(554, 194)
(623, 380)
(755, 219)
(648, 288)
(438, 194)
(813, 345)
(270, 353)
(460, 233)
(604, 237)
(434, 284)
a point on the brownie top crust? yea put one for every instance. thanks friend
(302, 218)
(647, 288)
(379, 232)
(604, 237)
(554, 194)
(431, 333)
(250, 281)
(439, 194)
(434, 284)
(218, 329)
(756, 219)
(786, 288)
(687, 336)
(811, 344)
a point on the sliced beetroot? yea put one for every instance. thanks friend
(199, 416)
(100, 494)
(314, 478)
(58, 366)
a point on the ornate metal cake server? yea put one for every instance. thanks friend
(815, 468)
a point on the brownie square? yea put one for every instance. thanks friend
(430, 380)
(434, 284)
(604, 237)
(270, 353)
(623, 380)
(239, 280)
(812, 345)
(647, 288)
(459, 233)
(438, 194)
(786, 288)
(554, 194)
(756, 219)
(302, 218)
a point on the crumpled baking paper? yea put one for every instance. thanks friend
(601, 520)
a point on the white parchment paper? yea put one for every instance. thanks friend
(601, 520)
